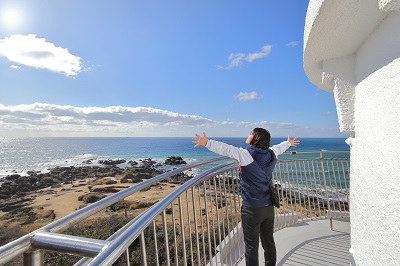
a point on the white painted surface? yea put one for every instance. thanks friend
(375, 169)
(311, 244)
(352, 48)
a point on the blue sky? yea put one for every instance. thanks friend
(157, 68)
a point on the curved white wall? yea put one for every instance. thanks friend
(375, 169)
(381, 46)
(352, 48)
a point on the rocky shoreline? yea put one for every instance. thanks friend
(19, 191)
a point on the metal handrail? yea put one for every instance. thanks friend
(111, 253)
(19, 246)
(310, 189)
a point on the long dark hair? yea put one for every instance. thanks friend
(261, 138)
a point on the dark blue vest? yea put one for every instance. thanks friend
(256, 176)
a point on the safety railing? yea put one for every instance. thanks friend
(199, 222)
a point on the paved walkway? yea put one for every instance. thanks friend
(312, 244)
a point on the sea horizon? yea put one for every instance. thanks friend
(20, 155)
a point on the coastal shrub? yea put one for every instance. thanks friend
(24, 215)
(119, 205)
(55, 259)
(102, 181)
(110, 182)
(142, 205)
(9, 233)
(92, 197)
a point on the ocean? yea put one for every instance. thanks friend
(20, 155)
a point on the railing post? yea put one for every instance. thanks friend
(326, 192)
(34, 258)
(128, 263)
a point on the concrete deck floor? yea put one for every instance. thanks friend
(311, 244)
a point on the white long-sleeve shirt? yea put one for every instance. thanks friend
(240, 154)
(255, 175)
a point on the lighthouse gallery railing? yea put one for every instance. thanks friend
(199, 222)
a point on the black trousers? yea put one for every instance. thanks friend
(258, 223)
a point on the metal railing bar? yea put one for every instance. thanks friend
(202, 224)
(143, 248)
(290, 189)
(227, 219)
(233, 226)
(127, 257)
(155, 242)
(190, 229)
(108, 256)
(83, 213)
(164, 221)
(235, 200)
(308, 191)
(207, 220)
(15, 248)
(196, 230)
(75, 245)
(319, 182)
(222, 204)
(298, 192)
(345, 182)
(326, 189)
(212, 215)
(182, 231)
(336, 190)
(174, 230)
(319, 152)
(316, 188)
(85, 261)
(34, 257)
(217, 212)
(340, 186)
(22, 244)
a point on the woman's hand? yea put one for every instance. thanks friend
(199, 140)
(293, 142)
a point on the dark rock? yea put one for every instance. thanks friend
(12, 177)
(22, 186)
(12, 204)
(148, 163)
(112, 162)
(174, 160)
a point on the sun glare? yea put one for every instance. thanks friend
(11, 17)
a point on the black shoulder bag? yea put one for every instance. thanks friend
(274, 194)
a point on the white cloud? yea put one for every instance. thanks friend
(49, 120)
(15, 67)
(36, 52)
(237, 59)
(263, 124)
(64, 118)
(265, 50)
(246, 96)
(293, 43)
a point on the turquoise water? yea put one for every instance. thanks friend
(19, 155)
